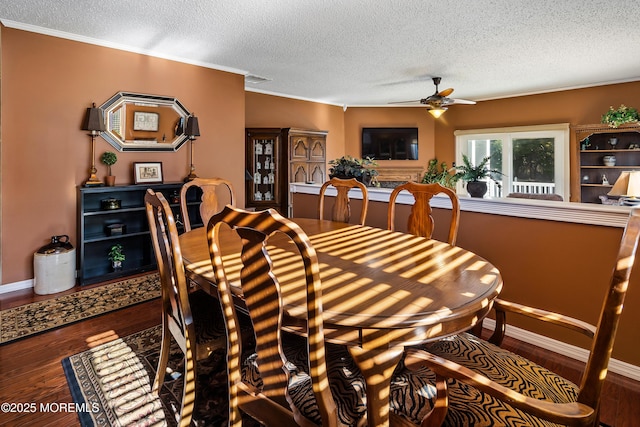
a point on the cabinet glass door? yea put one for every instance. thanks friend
(263, 170)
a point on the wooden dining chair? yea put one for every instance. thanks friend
(177, 317)
(289, 379)
(209, 202)
(420, 221)
(480, 383)
(341, 210)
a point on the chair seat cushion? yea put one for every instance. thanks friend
(471, 407)
(412, 393)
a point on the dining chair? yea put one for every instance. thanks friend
(420, 221)
(177, 316)
(289, 379)
(341, 210)
(480, 383)
(209, 201)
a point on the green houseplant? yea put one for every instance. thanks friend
(116, 256)
(350, 167)
(109, 158)
(439, 173)
(473, 174)
(621, 115)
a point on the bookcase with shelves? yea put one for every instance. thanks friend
(603, 154)
(116, 215)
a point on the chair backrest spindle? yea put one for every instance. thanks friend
(210, 203)
(341, 210)
(420, 220)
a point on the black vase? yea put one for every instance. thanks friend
(477, 188)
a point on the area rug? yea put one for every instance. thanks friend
(29, 319)
(111, 384)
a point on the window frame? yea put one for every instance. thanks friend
(559, 131)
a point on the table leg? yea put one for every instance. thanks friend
(377, 366)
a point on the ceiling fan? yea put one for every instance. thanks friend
(438, 102)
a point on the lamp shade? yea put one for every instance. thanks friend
(192, 129)
(437, 112)
(628, 185)
(93, 120)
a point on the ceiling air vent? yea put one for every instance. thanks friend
(250, 78)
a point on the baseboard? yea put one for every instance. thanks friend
(617, 366)
(16, 286)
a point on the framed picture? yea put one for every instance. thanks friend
(145, 121)
(147, 173)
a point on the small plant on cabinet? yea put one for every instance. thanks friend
(109, 158)
(116, 256)
(621, 115)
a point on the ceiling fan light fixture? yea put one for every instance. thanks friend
(437, 112)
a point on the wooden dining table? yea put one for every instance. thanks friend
(381, 290)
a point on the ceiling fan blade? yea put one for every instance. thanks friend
(461, 101)
(415, 101)
(446, 92)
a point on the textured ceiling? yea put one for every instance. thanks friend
(359, 52)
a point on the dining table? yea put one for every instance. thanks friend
(382, 290)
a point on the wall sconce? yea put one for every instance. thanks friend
(94, 123)
(192, 130)
(628, 187)
(437, 112)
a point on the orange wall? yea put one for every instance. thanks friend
(277, 112)
(47, 84)
(357, 118)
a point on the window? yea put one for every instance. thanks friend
(532, 159)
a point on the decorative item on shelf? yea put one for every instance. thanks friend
(585, 179)
(192, 131)
(627, 187)
(473, 174)
(609, 160)
(349, 167)
(175, 196)
(585, 144)
(440, 174)
(94, 123)
(621, 115)
(110, 204)
(115, 229)
(109, 158)
(613, 142)
(634, 146)
(146, 173)
(605, 181)
(116, 256)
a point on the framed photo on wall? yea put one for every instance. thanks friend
(150, 172)
(145, 121)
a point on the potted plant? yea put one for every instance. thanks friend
(109, 158)
(350, 167)
(438, 173)
(116, 256)
(472, 175)
(621, 115)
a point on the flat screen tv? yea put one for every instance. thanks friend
(390, 143)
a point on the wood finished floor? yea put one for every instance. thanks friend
(31, 369)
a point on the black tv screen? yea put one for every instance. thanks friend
(390, 143)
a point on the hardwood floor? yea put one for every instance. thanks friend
(32, 371)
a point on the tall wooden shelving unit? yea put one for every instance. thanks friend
(590, 145)
(276, 157)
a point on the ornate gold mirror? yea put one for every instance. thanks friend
(139, 122)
